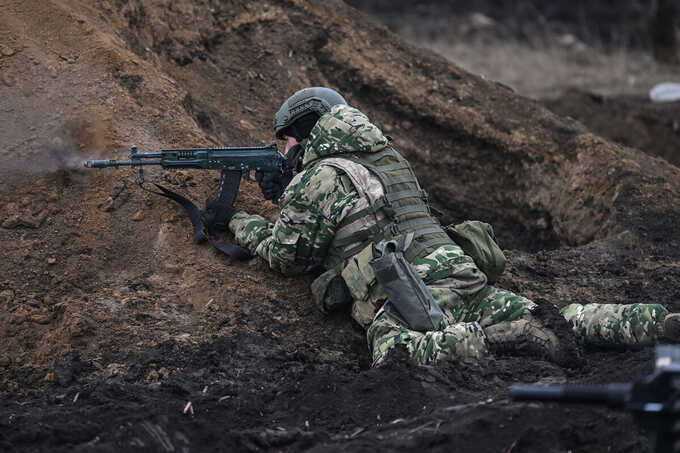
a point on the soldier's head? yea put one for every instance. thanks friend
(300, 112)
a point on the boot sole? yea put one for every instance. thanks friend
(671, 327)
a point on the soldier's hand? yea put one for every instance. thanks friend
(272, 184)
(216, 216)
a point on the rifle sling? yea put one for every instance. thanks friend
(233, 250)
(200, 236)
(190, 208)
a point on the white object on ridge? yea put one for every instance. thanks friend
(665, 92)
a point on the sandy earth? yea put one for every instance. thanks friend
(113, 320)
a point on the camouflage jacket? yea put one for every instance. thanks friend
(317, 199)
(315, 204)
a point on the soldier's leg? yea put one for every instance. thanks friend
(514, 324)
(495, 305)
(615, 324)
(457, 340)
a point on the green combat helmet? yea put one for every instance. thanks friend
(314, 100)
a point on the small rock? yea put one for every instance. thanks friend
(7, 51)
(139, 215)
(115, 369)
(69, 60)
(8, 80)
(567, 40)
(100, 316)
(152, 376)
(49, 377)
(57, 142)
(51, 261)
(108, 205)
(247, 125)
(6, 296)
(170, 267)
(12, 222)
(144, 293)
(82, 326)
(541, 223)
(480, 20)
(33, 222)
(41, 318)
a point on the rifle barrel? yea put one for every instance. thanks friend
(116, 163)
(613, 394)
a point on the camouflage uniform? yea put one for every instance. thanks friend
(315, 212)
(610, 324)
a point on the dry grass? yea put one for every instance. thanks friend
(546, 72)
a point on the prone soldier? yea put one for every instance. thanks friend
(356, 211)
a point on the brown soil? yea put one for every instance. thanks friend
(113, 320)
(630, 120)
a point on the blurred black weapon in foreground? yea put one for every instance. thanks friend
(653, 399)
(233, 163)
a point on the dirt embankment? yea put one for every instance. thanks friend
(592, 61)
(112, 320)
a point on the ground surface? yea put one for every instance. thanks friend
(113, 321)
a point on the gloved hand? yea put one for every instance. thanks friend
(216, 216)
(272, 184)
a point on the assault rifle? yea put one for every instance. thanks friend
(653, 399)
(233, 163)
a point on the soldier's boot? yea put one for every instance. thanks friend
(523, 337)
(671, 327)
(568, 354)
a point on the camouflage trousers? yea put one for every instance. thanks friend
(470, 305)
(463, 332)
(615, 324)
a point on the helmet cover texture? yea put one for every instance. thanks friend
(317, 100)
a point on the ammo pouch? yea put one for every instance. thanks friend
(406, 292)
(478, 241)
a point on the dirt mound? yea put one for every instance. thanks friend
(541, 49)
(255, 393)
(609, 23)
(630, 120)
(104, 276)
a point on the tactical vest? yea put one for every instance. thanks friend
(389, 208)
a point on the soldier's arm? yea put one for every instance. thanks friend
(312, 207)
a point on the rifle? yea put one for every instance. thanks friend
(654, 399)
(233, 163)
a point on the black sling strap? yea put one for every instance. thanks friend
(214, 218)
